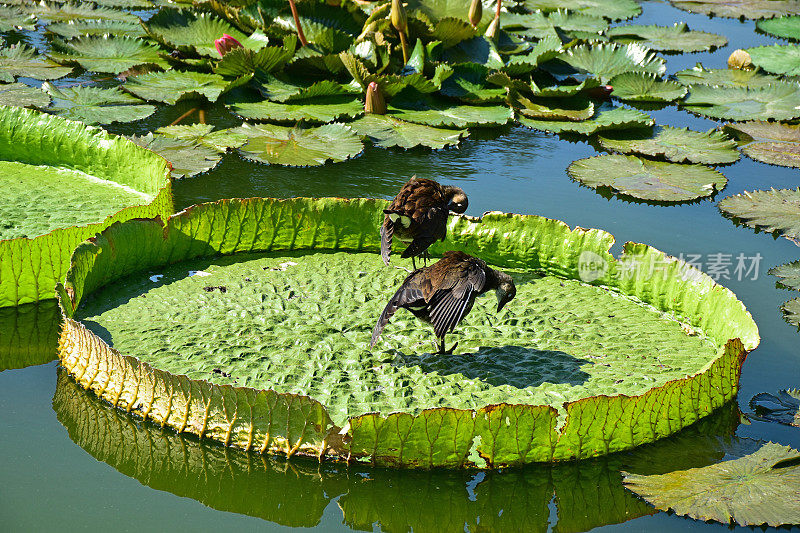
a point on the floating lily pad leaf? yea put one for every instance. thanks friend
(760, 488)
(76, 28)
(617, 118)
(63, 12)
(317, 110)
(725, 77)
(439, 112)
(452, 31)
(468, 83)
(644, 87)
(749, 9)
(571, 21)
(679, 145)
(647, 180)
(174, 85)
(204, 134)
(786, 27)
(435, 10)
(610, 9)
(768, 142)
(12, 17)
(106, 53)
(21, 95)
(775, 211)
(608, 60)
(560, 91)
(243, 61)
(299, 146)
(777, 102)
(191, 32)
(576, 108)
(476, 50)
(545, 50)
(387, 132)
(783, 407)
(789, 275)
(541, 25)
(791, 312)
(94, 105)
(187, 158)
(22, 60)
(325, 38)
(676, 38)
(778, 59)
(321, 89)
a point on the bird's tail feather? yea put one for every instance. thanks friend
(388, 311)
(387, 231)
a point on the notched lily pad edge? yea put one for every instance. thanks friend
(291, 424)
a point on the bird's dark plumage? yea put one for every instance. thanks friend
(418, 215)
(443, 293)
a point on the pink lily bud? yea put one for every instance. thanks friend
(375, 104)
(226, 43)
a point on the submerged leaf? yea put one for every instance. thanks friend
(726, 77)
(298, 146)
(776, 210)
(769, 142)
(319, 110)
(753, 490)
(386, 132)
(679, 145)
(751, 9)
(174, 85)
(644, 87)
(105, 53)
(676, 38)
(786, 27)
(777, 102)
(647, 180)
(607, 60)
(187, 158)
(22, 60)
(94, 105)
(21, 95)
(204, 134)
(789, 275)
(783, 407)
(778, 59)
(617, 118)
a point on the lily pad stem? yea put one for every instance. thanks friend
(180, 118)
(300, 34)
(201, 115)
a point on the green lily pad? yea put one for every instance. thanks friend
(789, 275)
(439, 112)
(468, 83)
(610, 9)
(607, 60)
(22, 60)
(451, 31)
(617, 118)
(299, 146)
(679, 145)
(725, 77)
(676, 38)
(174, 85)
(647, 180)
(387, 132)
(66, 11)
(564, 90)
(12, 17)
(545, 50)
(778, 59)
(106, 53)
(578, 396)
(21, 95)
(204, 134)
(126, 4)
(435, 10)
(791, 312)
(243, 61)
(319, 110)
(750, 491)
(187, 158)
(777, 102)
(786, 27)
(576, 108)
(769, 142)
(644, 87)
(76, 28)
(783, 407)
(94, 105)
(29, 334)
(776, 211)
(191, 32)
(541, 25)
(749, 9)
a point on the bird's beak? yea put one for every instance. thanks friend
(501, 304)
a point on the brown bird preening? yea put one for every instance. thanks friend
(418, 215)
(443, 293)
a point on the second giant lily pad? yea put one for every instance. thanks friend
(523, 387)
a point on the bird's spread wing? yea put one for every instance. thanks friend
(387, 231)
(408, 295)
(452, 301)
(431, 226)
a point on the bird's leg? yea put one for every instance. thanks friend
(425, 257)
(443, 351)
(413, 263)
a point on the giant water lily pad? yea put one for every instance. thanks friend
(298, 146)
(22, 60)
(174, 85)
(578, 396)
(760, 488)
(776, 210)
(106, 53)
(777, 102)
(778, 59)
(768, 142)
(318, 110)
(63, 182)
(95, 105)
(783, 407)
(679, 145)
(387, 132)
(21, 95)
(647, 180)
(644, 87)
(612, 119)
(786, 27)
(676, 38)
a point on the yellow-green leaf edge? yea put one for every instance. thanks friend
(491, 437)
(30, 268)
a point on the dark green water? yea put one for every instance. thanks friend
(71, 464)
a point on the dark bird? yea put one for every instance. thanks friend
(418, 215)
(443, 293)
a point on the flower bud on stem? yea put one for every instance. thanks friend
(400, 22)
(475, 13)
(374, 104)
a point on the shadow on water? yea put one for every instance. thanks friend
(517, 366)
(295, 493)
(29, 334)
